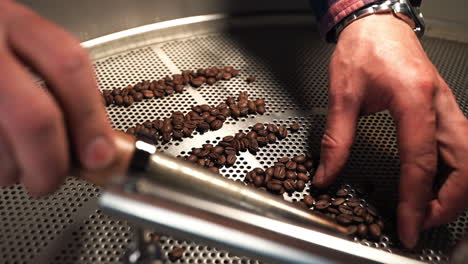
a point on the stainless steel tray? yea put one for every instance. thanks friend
(290, 61)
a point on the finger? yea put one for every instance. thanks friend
(66, 67)
(452, 130)
(8, 167)
(34, 125)
(343, 112)
(417, 146)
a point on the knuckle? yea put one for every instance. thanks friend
(332, 143)
(44, 122)
(342, 99)
(71, 61)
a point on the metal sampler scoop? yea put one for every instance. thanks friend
(183, 200)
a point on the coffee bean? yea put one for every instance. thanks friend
(221, 160)
(253, 146)
(325, 197)
(252, 107)
(344, 219)
(262, 141)
(322, 204)
(372, 210)
(303, 177)
(260, 102)
(369, 219)
(301, 168)
(300, 185)
(148, 94)
(262, 133)
(294, 127)
(230, 159)
(176, 254)
(358, 219)
(192, 158)
(271, 138)
(351, 230)
(203, 127)
(279, 164)
(360, 211)
(291, 175)
(217, 124)
(228, 138)
(362, 230)
(259, 180)
(375, 231)
(299, 159)
(272, 128)
(353, 203)
(252, 135)
(118, 99)
(282, 132)
(309, 164)
(274, 186)
(309, 200)
(249, 177)
(251, 79)
(177, 135)
(197, 82)
(259, 171)
(270, 171)
(261, 109)
(301, 204)
(342, 192)
(230, 150)
(333, 210)
(345, 209)
(214, 169)
(235, 112)
(210, 119)
(289, 185)
(283, 160)
(291, 165)
(279, 173)
(338, 201)
(240, 135)
(258, 127)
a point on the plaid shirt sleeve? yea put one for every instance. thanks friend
(331, 12)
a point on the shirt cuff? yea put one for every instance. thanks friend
(337, 11)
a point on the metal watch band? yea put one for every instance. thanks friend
(401, 9)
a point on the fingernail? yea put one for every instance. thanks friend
(319, 175)
(99, 154)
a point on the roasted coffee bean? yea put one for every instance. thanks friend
(342, 192)
(253, 146)
(203, 153)
(282, 132)
(262, 141)
(351, 230)
(217, 124)
(291, 165)
(300, 185)
(303, 177)
(245, 143)
(301, 204)
(362, 230)
(344, 219)
(138, 97)
(230, 150)
(338, 201)
(259, 171)
(272, 128)
(360, 211)
(218, 150)
(197, 82)
(236, 144)
(187, 131)
(325, 197)
(211, 81)
(283, 160)
(259, 180)
(203, 127)
(358, 219)
(299, 159)
(279, 164)
(192, 158)
(372, 210)
(271, 138)
(333, 210)
(261, 109)
(380, 223)
(252, 107)
(375, 231)
(274, 186)
(214, 169)
(260, 102)
(210, 119)
(249, 177)
(118, 100)
(177, 135)
(179, 88)
(235, 112)
(250, 79)
(301, 168)
(228, 138)
(291, 175)
(353, 203)
(345, 209)
(294, 127)
(262, 133)
(130, 131)
(208, 146)
(322, 204)
(252, 135)
(230, 159)
(279, 173)
(148, 94)
(309, 200)
(289, 185)
(167, 126)
(176, 254)
(240, 135)
(221, 161)
(270, 171)
(309, 164)
(257, 127)
(369, 219)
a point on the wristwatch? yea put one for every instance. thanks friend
(402, 9)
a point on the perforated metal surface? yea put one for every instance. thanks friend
(291, 68)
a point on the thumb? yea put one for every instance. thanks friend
(342, 116)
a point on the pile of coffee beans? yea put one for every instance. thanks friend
(167, 86)
(176, 254)
(287, 175)
(224, 154)
(201, 118)
(361, 220)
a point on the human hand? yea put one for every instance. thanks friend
(379, 64)
(36, 126)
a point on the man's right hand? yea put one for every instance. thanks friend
(37, 126)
